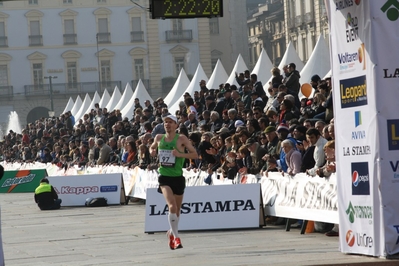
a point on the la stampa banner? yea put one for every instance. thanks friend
(364, 68)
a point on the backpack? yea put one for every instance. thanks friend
(96, 202)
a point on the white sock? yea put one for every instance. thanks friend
(174, 222)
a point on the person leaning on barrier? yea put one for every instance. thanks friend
(46, 197)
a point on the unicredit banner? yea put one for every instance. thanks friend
(208, 207)
(366, 92)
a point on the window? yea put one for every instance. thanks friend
(179, 64)
(35, 38)
(3, 75)
(38, 76)
(105, 70)
(69, 29)
(137, 33)
(139, 69)
(177, 25)
(3, 37)
(103, 34)
(33, 2)
(72, 73)
(67, 1)
(214, 25)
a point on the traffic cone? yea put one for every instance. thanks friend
(309, 227)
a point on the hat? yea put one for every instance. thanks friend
(315, 78)
(238, 123)
(250, 141)
(223, 130)
(172, 117)
(209, 98)
(282, 126)
(270, 129)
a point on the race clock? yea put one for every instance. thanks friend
(186, 8)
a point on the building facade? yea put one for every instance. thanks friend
(92, 45)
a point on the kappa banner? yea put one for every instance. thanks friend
(300, 197)
(17, 181)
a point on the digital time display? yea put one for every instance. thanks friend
(186, 8)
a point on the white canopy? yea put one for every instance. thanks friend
(69, 105)
(76, 106)
(104, 99)
(239, 67)
(178, 89)
(328, 75)
(194, 86)
(141, 93)
(263, 67)
(291, 56)
(126, 96)
(116, 96)
(96, 99)
(86, 103)
(219, 76)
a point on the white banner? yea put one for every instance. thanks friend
(356, 120)
(207, 207)
(74, 190)
(301, 197)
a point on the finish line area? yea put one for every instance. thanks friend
(115, 236)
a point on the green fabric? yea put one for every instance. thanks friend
(177, 169)
(44, 187)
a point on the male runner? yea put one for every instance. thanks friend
(172, 153)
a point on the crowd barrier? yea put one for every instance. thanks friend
(298, 197)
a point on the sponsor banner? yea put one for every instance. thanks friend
(384, 26)
(74, 190)
(300, 197)
(18, 181)
(355, 99)
(1, 245)
(224, 207)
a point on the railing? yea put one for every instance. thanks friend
(308, 18)
(3, 41)
(146, 83)
(71, 88)
(35, 40)
(137, 36)
(298, 20)
(104, 37)
(179, 35)
(70, 39)
(7, 91)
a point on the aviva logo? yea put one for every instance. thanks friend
(358, 118)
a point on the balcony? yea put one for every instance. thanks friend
(3, 41)
(308, 18)
(104, 37)
(178, 36)
(71, 88)
(70, 39)
(298, 21)
(146, 83)
(6, 91)
(35, 40)
(137, 36)
(291, 23)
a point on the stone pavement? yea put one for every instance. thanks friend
(115, 236)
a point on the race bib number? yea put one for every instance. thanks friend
(166, 158)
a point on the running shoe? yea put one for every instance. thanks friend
(171, 239)
(178, 243)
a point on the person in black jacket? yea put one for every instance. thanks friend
(46, 197)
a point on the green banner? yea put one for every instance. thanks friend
(18, 181)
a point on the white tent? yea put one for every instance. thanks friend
(328, 75)
(86, 103)
(291, 56)
(194, 86)
(239, 67)
(69, 105)
(76, 106)
(219, 76)
(141, 93)
(126, 96)
(116, 96)
(96, 99)
(104, 99)
(178, 89)
(263, 67)
(318, 63)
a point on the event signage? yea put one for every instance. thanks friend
(17, 181)
(208, 207)
(74, 190)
